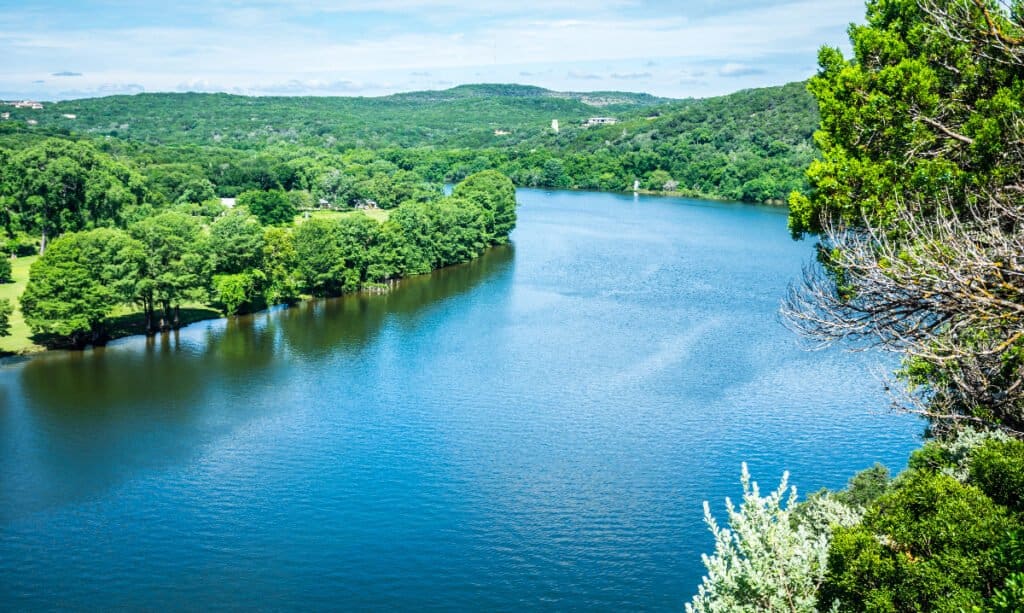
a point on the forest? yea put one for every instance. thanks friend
(116, 240)
(750, 146)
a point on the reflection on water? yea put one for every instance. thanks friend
(536, 429)
(100, 409)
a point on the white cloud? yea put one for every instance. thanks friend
(733, 69)
(261, 47)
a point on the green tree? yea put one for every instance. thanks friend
(6, 310)
(496, 195)
(280, 264)
(919, 193)
(176, 266)
(6, 275)
(236, 242)
(932, 544)
(271, 207)
(78, 282)
(68, 186)
(925, 114)
(318, 254)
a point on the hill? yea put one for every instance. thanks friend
(465, 116)
(751, 145)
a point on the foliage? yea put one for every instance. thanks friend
(75, 286)
(236, 242)
(6, 310)
(865, 487)
(934, 541)
(271, 207)
(927, 112)
(751, 145)
(57, 186)
(770, 558)
(233, 291)
(920, 197)
(496, 195)
(5, 269)
(176, 266)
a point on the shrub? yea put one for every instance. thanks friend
(770, 558)
(931, 544)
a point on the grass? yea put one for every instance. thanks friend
(124, 322)
(380, 215)
(20, 340)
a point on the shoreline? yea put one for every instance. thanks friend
(135, 328)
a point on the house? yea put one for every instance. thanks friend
(31, 122)
(228, 202)
(501, 132)
(5, 115)
(69, 116)
(554, 126)
(600, 121)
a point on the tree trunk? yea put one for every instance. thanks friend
(42, 242)
(165, 317)
(177, 317)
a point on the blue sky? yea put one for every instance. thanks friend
(58, 49)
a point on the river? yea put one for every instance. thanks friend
(536, 429)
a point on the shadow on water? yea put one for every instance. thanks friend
(316, 329)
(147, 403)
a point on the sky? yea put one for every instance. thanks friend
(52, 50)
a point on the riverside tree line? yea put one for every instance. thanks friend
(113, 239)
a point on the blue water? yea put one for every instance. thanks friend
(537, 429)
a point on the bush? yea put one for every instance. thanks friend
(5, 269)
(997, 468)
(771, 558)
(931, 544)
(5, 317)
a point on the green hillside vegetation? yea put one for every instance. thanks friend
(465, 116)
(750, 146)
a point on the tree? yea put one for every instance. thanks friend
(934, 542)
(236, 242)
(919, 196)
(66, 186)
(176, 266)
(496, 195)
(236, 248)
(318, 254)
(272, 207)
(75, 286)
(6, 310)
(280, 262)
(6, 275)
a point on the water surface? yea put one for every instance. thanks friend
(536, 429)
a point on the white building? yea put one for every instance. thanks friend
(600, 121)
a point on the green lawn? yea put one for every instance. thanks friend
(380, 215)
(18, 341)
